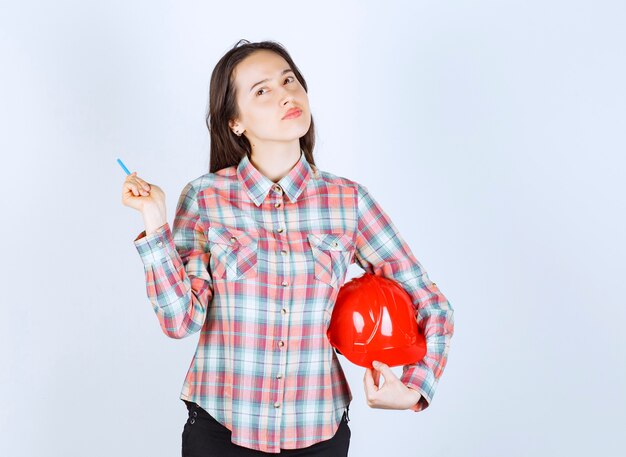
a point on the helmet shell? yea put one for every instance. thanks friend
(374, 319)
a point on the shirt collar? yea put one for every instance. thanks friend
(257, 185)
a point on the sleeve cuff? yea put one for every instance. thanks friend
(420, 378)
(155, 247)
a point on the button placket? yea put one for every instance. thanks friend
(277, 204)
(280, 228)
(279, 376)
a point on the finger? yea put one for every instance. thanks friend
(140, 188)
(136, 191)
(129, 189)
(143, 183)
(145, 186)
(132, 179)
(376, 374)
(369, 381)
(386, 371)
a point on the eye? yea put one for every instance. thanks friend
(257, 92)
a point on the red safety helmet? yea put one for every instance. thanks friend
(374, 319)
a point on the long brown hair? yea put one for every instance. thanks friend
(228, 149)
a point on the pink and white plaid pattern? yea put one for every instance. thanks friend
(255, 266)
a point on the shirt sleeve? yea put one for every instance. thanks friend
(178, 282)
(381, 250)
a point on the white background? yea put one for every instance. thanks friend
(492, 132)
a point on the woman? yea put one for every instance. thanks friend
(258, 250)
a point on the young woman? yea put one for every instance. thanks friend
(255, 258)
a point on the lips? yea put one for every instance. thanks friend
(293, 112)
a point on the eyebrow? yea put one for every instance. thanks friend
(286, 70)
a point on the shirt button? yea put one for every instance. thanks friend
(276, 404)
(279, 376)
(280, 230)
(335, 244)
(277, 205)
(284, 311)
(281, 343)
(159, 243)
(278, 189)
(285, 283)
(233, 239)
(283, 251)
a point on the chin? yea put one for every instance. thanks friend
(297, 130)
(306, 125)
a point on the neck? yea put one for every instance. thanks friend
(276, 161)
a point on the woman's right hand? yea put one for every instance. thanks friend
(139, 195)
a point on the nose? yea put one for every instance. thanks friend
(288, 97)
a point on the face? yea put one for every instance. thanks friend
(262, 106)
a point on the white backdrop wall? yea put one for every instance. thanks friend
(492, 132)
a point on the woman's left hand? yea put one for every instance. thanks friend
(393, 394)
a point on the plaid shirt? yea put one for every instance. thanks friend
(255, 267)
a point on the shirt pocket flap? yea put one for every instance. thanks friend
(331, 241)
(232, 236)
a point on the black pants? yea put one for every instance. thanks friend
(203, 436)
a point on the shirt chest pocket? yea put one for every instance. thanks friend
(332, 253)
(233, 252)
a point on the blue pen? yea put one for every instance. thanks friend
(123, 166)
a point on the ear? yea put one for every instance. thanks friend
(234, 125)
